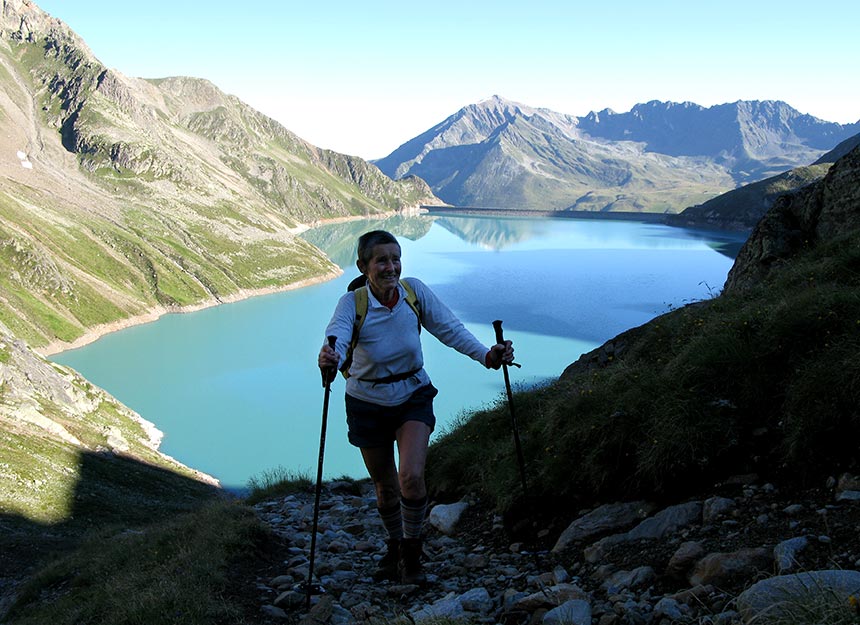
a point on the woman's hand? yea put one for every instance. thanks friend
(328, 361)
(499, 354)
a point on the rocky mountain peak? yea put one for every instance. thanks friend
(657, 107)
(773, 110)
(23, 20)
(498, 106)
(594, 117)
(482, 119)
(196, 94)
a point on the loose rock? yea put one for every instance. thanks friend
(672, 566)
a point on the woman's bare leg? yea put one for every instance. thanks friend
(383, 473)
(412, 440)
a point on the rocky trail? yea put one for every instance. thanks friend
(620, 563)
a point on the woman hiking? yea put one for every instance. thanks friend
(389, 396)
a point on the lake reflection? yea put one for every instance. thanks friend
(236, 389)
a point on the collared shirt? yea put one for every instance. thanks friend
(389, 342)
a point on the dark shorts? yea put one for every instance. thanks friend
(372, 425)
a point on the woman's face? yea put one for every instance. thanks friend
(383, 268)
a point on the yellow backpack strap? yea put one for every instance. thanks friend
(412, 300)
(360, 311)
(360, 315)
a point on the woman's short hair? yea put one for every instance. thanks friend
(369, 240)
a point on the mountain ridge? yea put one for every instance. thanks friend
(658, 157)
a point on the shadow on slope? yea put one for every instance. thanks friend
(113, 497)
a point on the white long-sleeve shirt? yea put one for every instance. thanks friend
(389, 342)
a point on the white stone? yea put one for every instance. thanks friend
(716, 507)
(848, 495)
(476, 600)
(785, 553)
(448, 607)
(573, 612)
(445, 517)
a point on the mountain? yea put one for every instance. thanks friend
(122, 197)
(742, 208)
(659, 157)
(103, 215)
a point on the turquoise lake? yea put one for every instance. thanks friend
(236, 389)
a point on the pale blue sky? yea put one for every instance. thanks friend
(364, 77)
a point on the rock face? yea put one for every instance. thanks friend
(25, 21)
(815, 214)
(681, 564)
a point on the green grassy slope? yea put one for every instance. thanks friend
(763, 378)
(152, 195)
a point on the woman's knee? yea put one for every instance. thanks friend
(412, 484)
(387, 492)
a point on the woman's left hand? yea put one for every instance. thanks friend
(499, 354)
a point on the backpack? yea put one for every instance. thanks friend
(359, 286)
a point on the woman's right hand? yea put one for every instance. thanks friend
(328, 361)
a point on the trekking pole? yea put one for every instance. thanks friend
(497, 325)
(310, 587)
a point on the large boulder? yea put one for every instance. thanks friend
(772, 600)
(606, 518)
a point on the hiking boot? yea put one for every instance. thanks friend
(410, 568)
(387, 567)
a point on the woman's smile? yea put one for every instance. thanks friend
(383, 270)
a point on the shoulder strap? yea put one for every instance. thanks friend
(361, 305)
(360, 314)
(412, 300)
(360, 310)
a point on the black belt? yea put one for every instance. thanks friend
(397, 377)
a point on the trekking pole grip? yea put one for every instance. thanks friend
(497, 326)
(332, 339)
